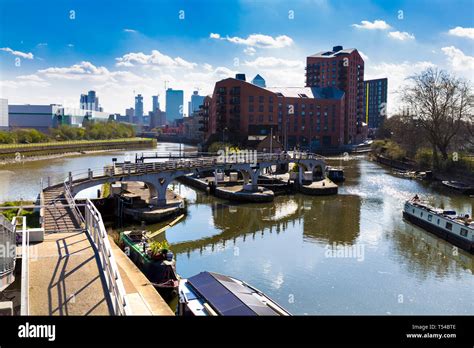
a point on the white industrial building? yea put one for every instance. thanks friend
(3, 114)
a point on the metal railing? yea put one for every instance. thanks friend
(94, 226)
(25, 267)
(97, 232)
(7, 243)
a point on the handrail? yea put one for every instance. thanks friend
(25, 269)
(7, 240)
(72, 203)
(93, 224)
(128, 168)
(97, 232)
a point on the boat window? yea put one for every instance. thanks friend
(413, 211)
(438, 221)
(421, 214)
(449, 226)
(430, 217)
(463, 232)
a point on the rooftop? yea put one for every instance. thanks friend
(336, 51)
(308, 92)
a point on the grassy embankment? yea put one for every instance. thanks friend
(32, 217)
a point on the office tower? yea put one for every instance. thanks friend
(138, 109)
(174, 105)
(375, 101)
(342, 69)
(155, 103)
(196, 101)
(89, 101)
(259, 81)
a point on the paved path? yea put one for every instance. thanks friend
(65, 277)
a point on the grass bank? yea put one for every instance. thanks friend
(58, 147)
(32, 217)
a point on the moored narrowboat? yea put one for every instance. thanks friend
(447, 224)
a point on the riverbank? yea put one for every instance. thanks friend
(11, 153)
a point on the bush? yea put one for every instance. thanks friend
(388, 149)
(424, 157)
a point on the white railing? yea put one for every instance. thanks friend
(7, 243)
(93, 224)
(98, 234)
(25, 267)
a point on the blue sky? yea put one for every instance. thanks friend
(49, 54)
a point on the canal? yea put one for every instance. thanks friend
(346, 254)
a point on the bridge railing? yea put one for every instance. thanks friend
(98, 234)
(8, 245)
(25, 266)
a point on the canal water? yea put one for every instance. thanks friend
(346, 254)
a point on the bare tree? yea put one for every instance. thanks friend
(439, 102)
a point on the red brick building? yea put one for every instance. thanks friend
(342, 69)
(305, 117)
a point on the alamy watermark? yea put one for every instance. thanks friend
(356, 251)
(240, 156)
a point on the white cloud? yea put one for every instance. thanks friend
(462, 32)
(76, 72)
(258, 40)
(378, 24)
(70, 45)
(459, 61)
(402, 36)
(130, 30)
(273, 62)
(42, 44)
(250, 51)
(364, 56)
(18, 53)
(156, 58)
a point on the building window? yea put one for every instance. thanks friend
(250, 98)
(270, 108)
(449, 226)
(270, 99)
(260, 108)
(260, 99)
(260, 118)
(250, 107)
(251, 118)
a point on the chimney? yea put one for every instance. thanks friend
(337, 48)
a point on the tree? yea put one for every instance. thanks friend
(438, 102)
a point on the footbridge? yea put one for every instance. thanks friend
(158, 175)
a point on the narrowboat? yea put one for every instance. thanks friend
(459, 186)
(446, 224)
(159, 267)
(213, 294)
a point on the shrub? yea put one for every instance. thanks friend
(424, 157)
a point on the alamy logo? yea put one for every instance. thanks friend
(237, 156)
(356, 251)
(37, 331)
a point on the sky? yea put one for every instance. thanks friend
(52, 51)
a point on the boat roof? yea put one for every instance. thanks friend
(229, 296)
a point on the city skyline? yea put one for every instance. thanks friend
(190, 46)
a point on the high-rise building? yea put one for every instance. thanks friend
(129, 114)
(174, 105)
(196, 101)
(155, 103)
(138, 109)
(375, 101)
(89, 101)
(259, 81)
(342, 69)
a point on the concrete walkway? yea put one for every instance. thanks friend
(65, 278)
